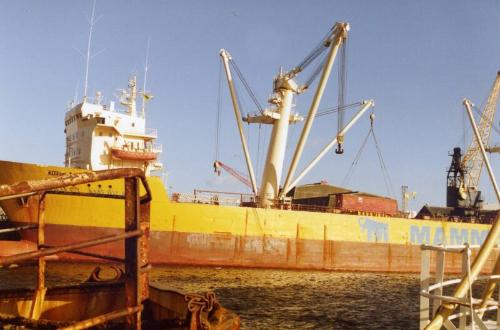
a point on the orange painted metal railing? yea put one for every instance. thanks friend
(136, 231)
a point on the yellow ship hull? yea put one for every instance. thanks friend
(206, 234)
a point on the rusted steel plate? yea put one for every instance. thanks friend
(254, 251)
(34, 186)
(9, 248)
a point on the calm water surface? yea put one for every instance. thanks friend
(277, 299)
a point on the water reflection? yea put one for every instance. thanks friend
(277, 299)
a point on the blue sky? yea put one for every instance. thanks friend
(418, 60)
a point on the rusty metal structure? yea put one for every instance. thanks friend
(130, 290)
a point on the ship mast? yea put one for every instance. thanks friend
(145, 96)
(87, 60)
(284, 89)
(128, 99)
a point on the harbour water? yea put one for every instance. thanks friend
(276, 299)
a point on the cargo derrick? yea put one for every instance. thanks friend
(462, 193)
(240, 177)
(272, 194)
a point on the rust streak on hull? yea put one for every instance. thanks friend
(222, 249)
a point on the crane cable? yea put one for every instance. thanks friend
(219, 110)
(247, 86)
(318, 50)
(329, 111)
(315, 73)
(387, 179)
(383, 167)
(348, 176)
(218, 115)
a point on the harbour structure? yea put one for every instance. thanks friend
(472, 311)
(463, 194)
(266, 229)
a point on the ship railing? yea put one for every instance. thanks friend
(311, 208)
(214, 198)
(135, 235)
(153, 132)
(156, 148)
(472, 310)
(328, 209)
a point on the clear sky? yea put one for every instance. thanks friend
(416, 59)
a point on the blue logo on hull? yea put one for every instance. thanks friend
(376, 231)
(457, 236)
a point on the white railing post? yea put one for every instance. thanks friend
(440, 262)
(463, 310)
(424, 286)
(498, 307)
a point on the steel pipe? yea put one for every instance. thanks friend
(26, 188)
(8, 230)
(67, 247)
(89, 254)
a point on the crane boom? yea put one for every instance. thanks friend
(226, 57)
(218, 164)
(472, 161)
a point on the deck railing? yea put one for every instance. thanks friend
(136, 229)
(471, 310)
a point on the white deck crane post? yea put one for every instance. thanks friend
(281, 117)
(339, 34)
(226, 57)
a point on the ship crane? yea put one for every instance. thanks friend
(280, 116)
(464, 173)
(218, 165)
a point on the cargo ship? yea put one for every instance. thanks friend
(280, 225)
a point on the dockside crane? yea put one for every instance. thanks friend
(463, 176)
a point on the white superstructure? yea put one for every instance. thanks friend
(100, 136)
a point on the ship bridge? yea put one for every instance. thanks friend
(100, 136)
